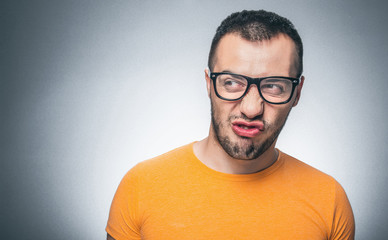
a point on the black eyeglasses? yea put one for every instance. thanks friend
(233, 87)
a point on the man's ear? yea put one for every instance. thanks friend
(208, 81)
(298, 91)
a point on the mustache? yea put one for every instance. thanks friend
(257, 118)
(242, 116)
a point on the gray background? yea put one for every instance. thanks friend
(90, 88)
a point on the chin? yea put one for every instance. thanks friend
(243, 148)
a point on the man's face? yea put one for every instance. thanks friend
(247, 128)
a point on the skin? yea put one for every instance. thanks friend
(274, 57)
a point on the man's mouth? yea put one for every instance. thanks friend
(244, 127)
(247, 129)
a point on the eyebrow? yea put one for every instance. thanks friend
(228, 71)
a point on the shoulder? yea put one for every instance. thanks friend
(169, 159)
(307, 180)
(301, 170)
(323, 193)
(167, 164)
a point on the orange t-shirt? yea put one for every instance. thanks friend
(175, 196)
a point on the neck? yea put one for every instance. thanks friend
(211, 153)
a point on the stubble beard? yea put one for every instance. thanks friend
(245, 148)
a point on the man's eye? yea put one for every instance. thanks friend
(232, 83)
(272, 88)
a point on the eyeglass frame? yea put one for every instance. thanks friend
(256, 81)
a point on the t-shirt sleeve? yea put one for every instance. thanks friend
(343, 220)
(123, 222)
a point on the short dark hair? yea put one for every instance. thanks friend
(257, 26)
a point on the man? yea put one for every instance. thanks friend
(235, 184)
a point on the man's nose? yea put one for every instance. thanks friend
(252, 105)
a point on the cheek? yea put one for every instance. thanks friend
(222, 110)
(276, 115)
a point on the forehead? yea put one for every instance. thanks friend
(256, 58)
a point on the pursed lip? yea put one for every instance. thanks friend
(247, 129)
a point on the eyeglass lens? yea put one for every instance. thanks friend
(274, 90)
